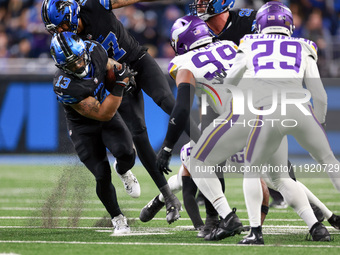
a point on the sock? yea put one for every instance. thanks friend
(175, 186)
(166, 191)
(189, 190)
(212, 190)
(253, 197)
(313, 199)
(107, 195)
(209, 208)
(297, 199)
(147, 156)
(222, 207)
(308, 216)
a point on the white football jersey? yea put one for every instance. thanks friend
(204, 63)
(270, 66)
(276, 56)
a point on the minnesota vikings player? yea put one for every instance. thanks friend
(277, 64)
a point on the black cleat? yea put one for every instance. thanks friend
(317, 212)
(319, 232)
(151, 209)
(173, 206)
(334, 220)
(255, 237)
(229, 226)
(210, 223)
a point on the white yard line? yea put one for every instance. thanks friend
(167, 244)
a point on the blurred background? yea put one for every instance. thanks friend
(31, 120)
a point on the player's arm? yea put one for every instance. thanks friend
(180, 114)
(111, 63)
(91, 108)
(185, 82)
(121, 3)
(315, 86)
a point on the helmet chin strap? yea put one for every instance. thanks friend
(84, 73)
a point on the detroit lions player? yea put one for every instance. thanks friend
(91, 115)
(94, 19)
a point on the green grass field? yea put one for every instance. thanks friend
(49, 209)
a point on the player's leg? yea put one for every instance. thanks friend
(132, 111)
(118, 140)
(189, 190)
(263, 140)
(312, 137)
(153, 82)
(92, 152)
(213, 148)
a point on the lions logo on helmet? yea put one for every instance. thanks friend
(206, 9)
(57, 12)
(69, 53)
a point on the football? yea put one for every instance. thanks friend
(110, 79)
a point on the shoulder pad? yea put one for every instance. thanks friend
(311, 47)
(172, 70)
(106, 4)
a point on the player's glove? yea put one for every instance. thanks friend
(163, 160)
(219, 77)
(121, 75)
(323, 125)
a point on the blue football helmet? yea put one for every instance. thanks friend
(69, 53)
(56, 12)
(209, 8)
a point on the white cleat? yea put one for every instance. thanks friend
(130, 182)
(120, 225)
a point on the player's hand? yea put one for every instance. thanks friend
(125, 76)
(219, 77)
(163, 161)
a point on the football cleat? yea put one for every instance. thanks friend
(255, 237)
(120, 225)
(319, 232)
(334, 220)
(210, 223)
(151, 209)
(317, 212)
(229, 226)
(130, 182)
(173, 206)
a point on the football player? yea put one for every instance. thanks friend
(93, 19)
(198, 59)
(226, 23)
(268, 59)
(91, 114)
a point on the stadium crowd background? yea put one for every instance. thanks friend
(22, 33)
